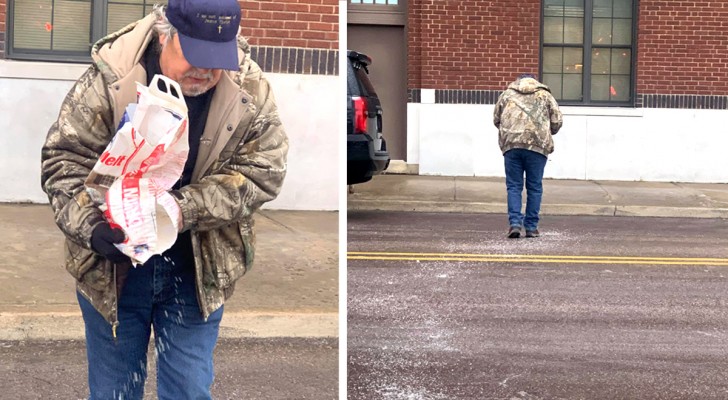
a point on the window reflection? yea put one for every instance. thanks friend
(608, 47)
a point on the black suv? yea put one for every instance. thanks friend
(366, 148)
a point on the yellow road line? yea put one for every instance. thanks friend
(540, 256)
(566, 259)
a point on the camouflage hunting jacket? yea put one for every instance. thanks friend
(526, 116)
(241, 165)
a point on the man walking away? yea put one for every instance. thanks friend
(526, 116)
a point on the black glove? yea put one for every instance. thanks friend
(103, 238)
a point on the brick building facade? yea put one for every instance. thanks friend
(683, 48)
(287, 36)
(473, 48)
(294, 36)
(471, 45)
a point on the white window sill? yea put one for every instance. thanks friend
(41, 70)
(602, 111)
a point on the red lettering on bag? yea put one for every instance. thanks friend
(111, 161)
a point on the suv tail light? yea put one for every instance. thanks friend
(360, 114)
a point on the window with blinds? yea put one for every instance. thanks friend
(122, 12)
(64, 30)
(587, 52)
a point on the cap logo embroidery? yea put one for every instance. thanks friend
(218, 20)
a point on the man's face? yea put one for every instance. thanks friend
(194, 81)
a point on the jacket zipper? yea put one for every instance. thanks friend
(115, 324)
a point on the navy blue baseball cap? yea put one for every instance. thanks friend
(208, 31)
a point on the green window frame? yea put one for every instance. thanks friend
(588, 51)
(65, 30)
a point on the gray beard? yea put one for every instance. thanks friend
(196, 91)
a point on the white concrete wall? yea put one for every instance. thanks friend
(306, 104)
(31, 95)
(668, 145)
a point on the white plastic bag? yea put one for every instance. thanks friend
(131, 179)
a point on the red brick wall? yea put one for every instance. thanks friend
(291, 23)
(310, 24)
(3, 18)
(471, 44)
(682, 47)
(484, 44)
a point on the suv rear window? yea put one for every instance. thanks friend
(357, 81)
(364, 79)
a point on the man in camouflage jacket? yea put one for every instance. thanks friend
(526, 116)
(240, 164)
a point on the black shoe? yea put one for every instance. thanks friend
(514, 232)
(533, 234)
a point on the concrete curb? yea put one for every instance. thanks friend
(684, 212)
(546, 209)
(69, 325)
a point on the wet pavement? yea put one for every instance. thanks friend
(278, 333)
(443, 306)
(292, 289)
(256, 369)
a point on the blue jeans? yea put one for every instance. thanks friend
(156, 295)
(518, 162)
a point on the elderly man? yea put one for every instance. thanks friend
(526, 116)
(237, 162)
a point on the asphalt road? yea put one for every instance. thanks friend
(255, 369)
(443, 306)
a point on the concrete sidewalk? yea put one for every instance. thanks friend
(292, 290)
(561, 197)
